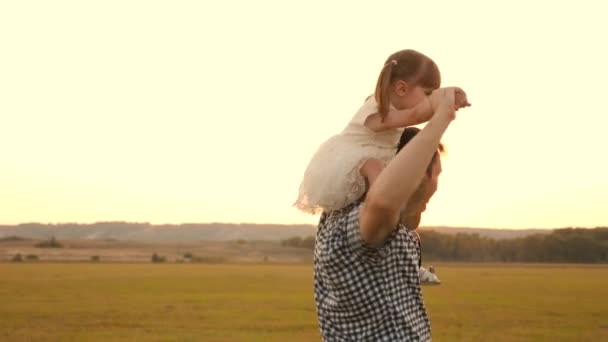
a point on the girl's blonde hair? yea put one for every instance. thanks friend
(405, 65)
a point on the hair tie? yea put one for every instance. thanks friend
(391, 62)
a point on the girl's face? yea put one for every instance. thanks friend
(406, 96)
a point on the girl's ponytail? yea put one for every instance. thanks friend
(382, 91)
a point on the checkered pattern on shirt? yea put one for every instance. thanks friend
(366, 293)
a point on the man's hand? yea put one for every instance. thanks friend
(448, 99)
(443, 102)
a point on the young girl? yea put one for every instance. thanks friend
(346, 164)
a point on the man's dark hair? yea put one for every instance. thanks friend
(408, 134)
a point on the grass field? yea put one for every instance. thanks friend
(195, 302)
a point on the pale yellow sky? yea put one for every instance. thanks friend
(196, 111)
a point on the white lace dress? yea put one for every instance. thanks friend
(332, 179)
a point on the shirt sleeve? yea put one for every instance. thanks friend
(369, 107)
(370, 253)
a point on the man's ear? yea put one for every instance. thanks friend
(436, 167)
(401, 88)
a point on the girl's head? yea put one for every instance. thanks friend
(406, 78)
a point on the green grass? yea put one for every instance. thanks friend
(193, 302)
(519, 303)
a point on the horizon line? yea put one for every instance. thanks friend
(273, 224)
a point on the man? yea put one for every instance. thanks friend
(366, 262)
(416, 205)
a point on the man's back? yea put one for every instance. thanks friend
(366, 293)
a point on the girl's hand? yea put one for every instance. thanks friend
(461, 99)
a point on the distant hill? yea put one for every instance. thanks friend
(128, 231)
(148, 232)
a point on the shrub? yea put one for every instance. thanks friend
(157, 258)
(51, 243)
(32, 257)
(11, 238)
(208, 259)
(298, 242)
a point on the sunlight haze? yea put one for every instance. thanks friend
(208, 111)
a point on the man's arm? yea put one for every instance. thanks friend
(400, 178)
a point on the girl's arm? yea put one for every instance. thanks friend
(400, 118)
(413, 116)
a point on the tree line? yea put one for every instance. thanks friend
(575, 245)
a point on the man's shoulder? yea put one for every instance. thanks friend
(338, 229)
(349, 220)
(348, 210)
(347, 216)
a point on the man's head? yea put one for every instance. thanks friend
(428, 185)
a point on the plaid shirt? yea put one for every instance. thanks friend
(366, 293)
